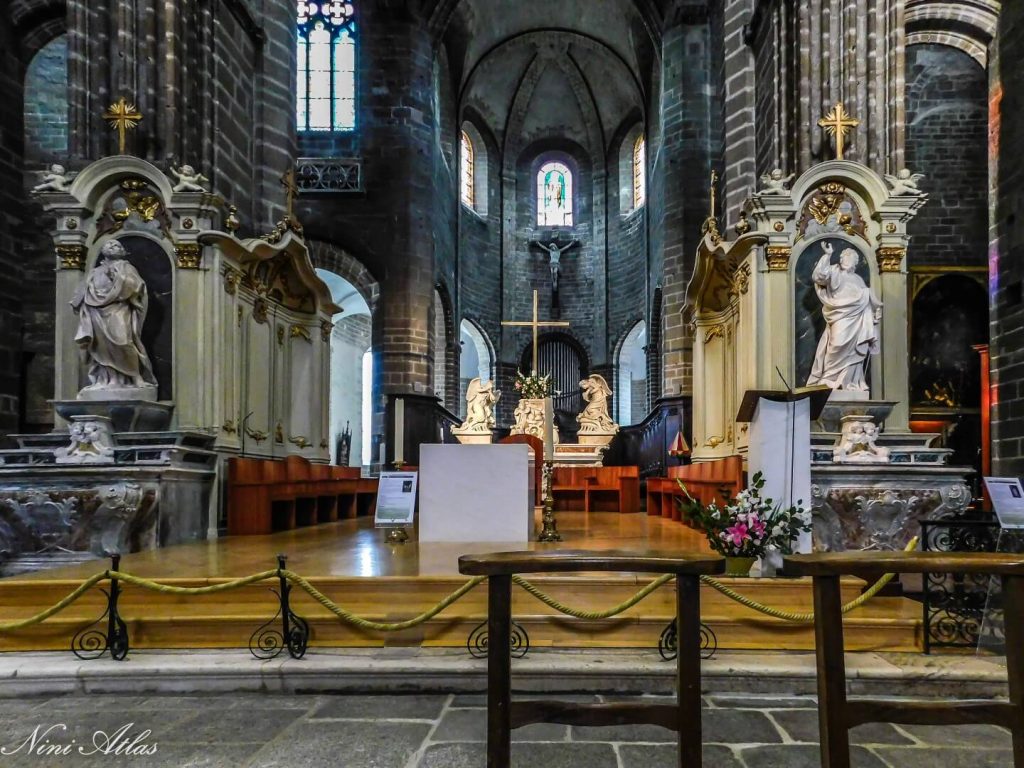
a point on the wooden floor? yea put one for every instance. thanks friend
(350, 562)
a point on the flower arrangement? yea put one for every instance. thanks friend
(532, 387)
(748, 526)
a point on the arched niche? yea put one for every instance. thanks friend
(475, 360)
(631, 376)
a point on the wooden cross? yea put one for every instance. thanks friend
(122, 116)
(837, 122)
(292, 189)
(536, 324)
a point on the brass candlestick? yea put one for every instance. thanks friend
(396, 536)
(550, 530)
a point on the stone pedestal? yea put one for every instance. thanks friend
(473, 438)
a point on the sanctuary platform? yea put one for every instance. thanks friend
(350, 562)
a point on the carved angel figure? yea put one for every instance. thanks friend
(858, 443)
(480, 400)
(188, 179)
(904, 183)
(775, 183)
(595, 417)
(91, 442)
(54, 180)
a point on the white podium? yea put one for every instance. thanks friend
(780, 443)
(475, 493)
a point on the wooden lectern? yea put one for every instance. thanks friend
(780, 443)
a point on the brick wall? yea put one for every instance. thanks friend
(1006, 249)
(947, 126)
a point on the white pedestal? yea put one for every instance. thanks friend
(475, 493)
(780, 448)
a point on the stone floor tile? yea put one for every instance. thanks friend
(347, 743)
(739, 701)
(990, 736)
(465, 755)
(377, 707)
(738, 726)
(480, 699)
(666, 756)
(471, 725)
(946, 757)
(804, 756)
(802, 725)
(524, 755)
(622, 733)
(231, 726)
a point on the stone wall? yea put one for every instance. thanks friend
(947, 127)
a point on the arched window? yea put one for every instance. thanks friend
(326, 85)
(639, 172)
(631, 369)
(467, 170)
(554, 195)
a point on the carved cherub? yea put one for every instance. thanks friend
(188, 179)
(904, 183)
(54, 180)
(775, 183)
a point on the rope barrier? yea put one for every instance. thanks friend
(800, 617)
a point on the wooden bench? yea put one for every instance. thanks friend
(836, 715)
(503, 714)
(266, 495)
(706, 481)
(594, 489)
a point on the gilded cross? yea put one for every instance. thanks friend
(714, 181)
(292, 189)
(837, 122)
(536, 325)
(122, 116)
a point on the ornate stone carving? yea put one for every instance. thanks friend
(259, 310)
(595, 419)
(111, 523)
(776, 183)
(858, 442)
(741, 280)
(92, 442)
(326, 329)
(71, 256)
(480, 401)
(529, 419)
(56, 179)
(777, 257)
(890, 258)
(232, 277)
(904, 183)
(189, 180)
(188, 255)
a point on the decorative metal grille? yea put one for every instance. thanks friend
(329, 174)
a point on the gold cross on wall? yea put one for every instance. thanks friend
(837, 122)
(122, 117)
(292, 189)
(536, 324)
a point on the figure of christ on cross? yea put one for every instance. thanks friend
(554, 259)
(536, 324)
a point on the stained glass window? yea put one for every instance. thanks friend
(639, 172)
(467, 170)
(326, 47)
(554, 195)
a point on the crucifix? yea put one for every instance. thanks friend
(837, 122)
(554, 260)
(536, 325)
(122, 117)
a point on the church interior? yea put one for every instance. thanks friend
(707, 309)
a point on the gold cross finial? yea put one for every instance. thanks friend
(292, 189)
(536, 324)
(837, 122)
(122, 116)
(714, 181)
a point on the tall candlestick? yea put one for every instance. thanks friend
(549, 430)
(399, 430)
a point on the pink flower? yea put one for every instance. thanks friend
(737, 534)
(757, 526)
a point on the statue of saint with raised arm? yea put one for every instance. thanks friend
(852, 313)
(111, 306)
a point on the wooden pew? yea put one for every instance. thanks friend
(266, 495)
(706, 481)
(597, 489)
(682, 716)
(836, 715)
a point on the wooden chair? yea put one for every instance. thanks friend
(836, 715)
(503, 715)
(705, 480)
(608, 489)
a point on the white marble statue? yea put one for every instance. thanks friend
(54, 180)
(775, 183)
(858, 443)
(480, 400)
(92, 442)
(904, 183)
(529, 419)
(852, 314)
(188, 179)
(111, 306)
(595, 417)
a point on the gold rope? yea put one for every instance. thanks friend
(85, 586)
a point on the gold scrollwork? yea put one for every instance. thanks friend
(890, 258)
(300, 441)
(742, 226)
(714, 332)
(740, 280)
(189, 255)
(230, 426)
(300, 332)
(280, 335)
(777, 257)
(232, 277)
(323, 444)
(714, 442)
(259, 310)
(258, 435)
(279, 433)
(71, 256)
(326, 329)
